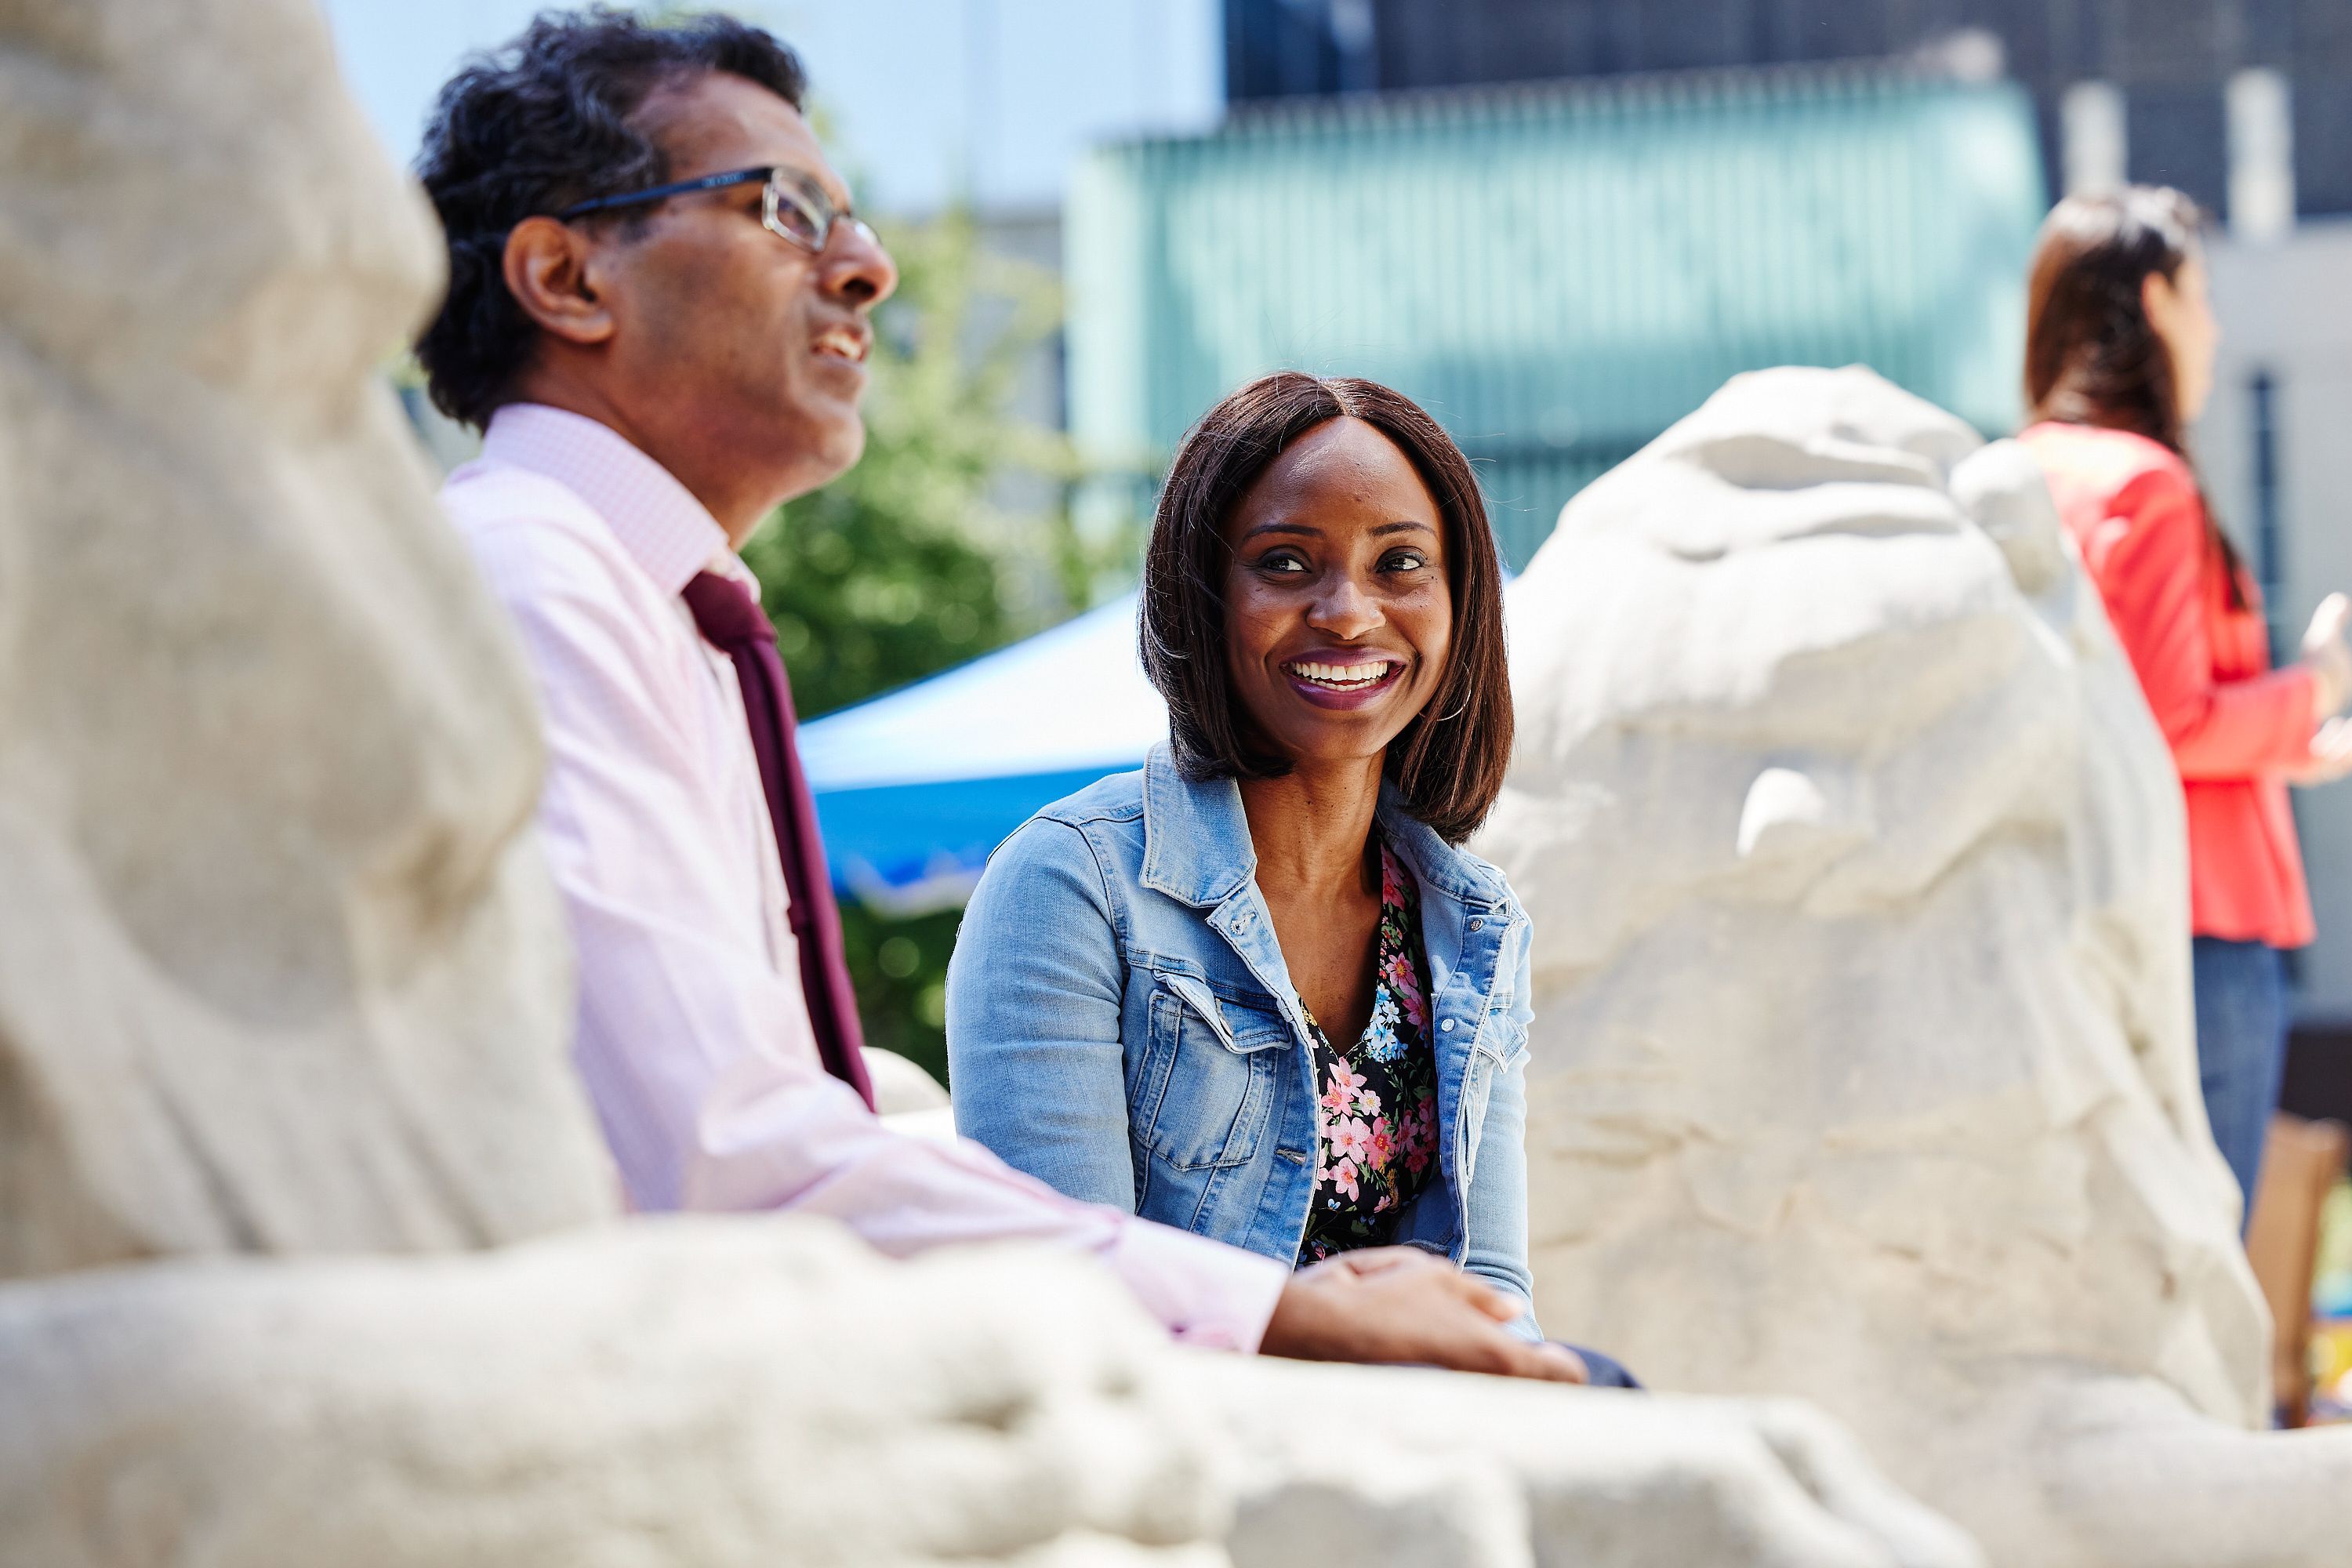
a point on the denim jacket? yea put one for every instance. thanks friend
(1120, 1024)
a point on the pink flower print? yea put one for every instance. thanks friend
(1350, 1140)
(1421, 1132)
(1416, 1158)
(1391, 880)
(1342, 1085)
(1382, 1144)
(1368, 1103)
(1343, 1177)
(1408, 994)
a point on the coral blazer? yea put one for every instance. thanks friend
(2236, 725)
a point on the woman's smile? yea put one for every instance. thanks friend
(1344, 680)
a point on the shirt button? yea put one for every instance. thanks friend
(1446, 1025)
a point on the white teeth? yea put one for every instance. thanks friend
(1341, 677)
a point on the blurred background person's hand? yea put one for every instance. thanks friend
(2331, 754)
(2330, 659)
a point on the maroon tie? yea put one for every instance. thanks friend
(731, 620)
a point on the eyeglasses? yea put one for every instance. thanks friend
(792, 205)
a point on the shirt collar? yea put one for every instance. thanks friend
(657, 520)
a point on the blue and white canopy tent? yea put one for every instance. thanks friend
(916, 788)
(913, 789)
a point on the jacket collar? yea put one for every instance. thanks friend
(1196, 842)
(1439, 865)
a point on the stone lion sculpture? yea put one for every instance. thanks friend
(1863, 1063)
(308, 1251)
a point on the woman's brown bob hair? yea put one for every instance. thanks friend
(1449, 762)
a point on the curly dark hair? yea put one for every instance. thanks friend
(1449, 762)
(534, 127)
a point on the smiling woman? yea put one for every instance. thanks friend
(1270, 488)
(1256, 989)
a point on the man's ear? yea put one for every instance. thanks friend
(547, 266)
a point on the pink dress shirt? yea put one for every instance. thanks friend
(693, 1037)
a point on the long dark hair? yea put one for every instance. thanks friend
(1449, 762)
(2092, 355)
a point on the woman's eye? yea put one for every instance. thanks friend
(1406, 560)
(1281, 562)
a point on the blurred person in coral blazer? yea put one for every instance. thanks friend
(2120, 342)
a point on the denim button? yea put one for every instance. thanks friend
(1446, 1025)
(1476, 921)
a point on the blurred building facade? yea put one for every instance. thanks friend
(1555, 271)
(2172, 64)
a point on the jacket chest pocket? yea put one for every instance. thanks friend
(1207, 1089)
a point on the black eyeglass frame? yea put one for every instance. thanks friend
(808, 196)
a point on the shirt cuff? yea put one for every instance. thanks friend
(1205, 1293)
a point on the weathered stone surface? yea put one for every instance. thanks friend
(698, 1392)
(1862, 1066)
(1481, 1474)
(714, 1391)
(902, 1087)
(276, 971)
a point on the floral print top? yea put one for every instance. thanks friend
(1378, 1118)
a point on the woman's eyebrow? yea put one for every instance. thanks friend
(1308, 531)
(1284, 525)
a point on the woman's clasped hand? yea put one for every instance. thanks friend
(1400, 1304)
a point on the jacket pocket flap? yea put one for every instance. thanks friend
(1197, 996)
(1504, 1039)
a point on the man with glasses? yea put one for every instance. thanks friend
(659, 312)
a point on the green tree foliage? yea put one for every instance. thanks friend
(910, 563)
(899, 568)
(899, 965)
